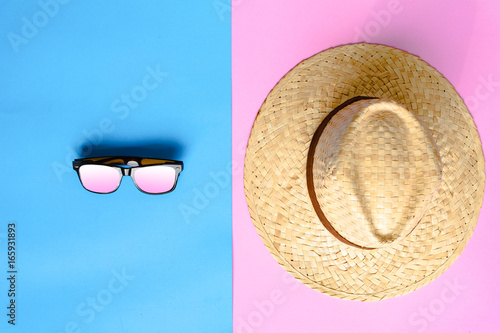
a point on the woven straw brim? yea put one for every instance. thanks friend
(275, 173)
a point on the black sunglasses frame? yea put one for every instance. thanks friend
(126, 164)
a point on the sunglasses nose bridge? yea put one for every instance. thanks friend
(128, 171)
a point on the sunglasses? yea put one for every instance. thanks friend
(150, 175)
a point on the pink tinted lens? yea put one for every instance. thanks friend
(155, 178)
(100, 178)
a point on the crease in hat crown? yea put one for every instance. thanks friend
(375, 168)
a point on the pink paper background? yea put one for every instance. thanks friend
(461, 40)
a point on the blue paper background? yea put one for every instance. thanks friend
(63, 87)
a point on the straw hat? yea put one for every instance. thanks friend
(364, 172)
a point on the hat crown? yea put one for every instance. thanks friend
(375, 170)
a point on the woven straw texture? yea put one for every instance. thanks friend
(440, 173)
(375, 169)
